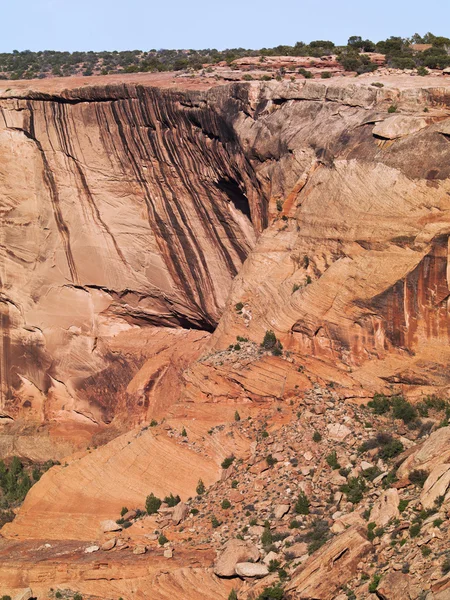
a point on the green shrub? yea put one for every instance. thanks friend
(266, 537)
(325, 75)
(237, 416)
(184, 432)
(422, 71)
(306, 74)
(57, 595)
(172, 500)
(393, 448)
(371, 531)
(404, 410)
(426, 551)
(418, 477)
(354, 489)
(371, 473)
(414, 530)
(162, 540)
(445, 567)
(239, 306)
(152, 504)
(233, 595)
(317, 437)
(402, 505)
(234, 483)
(380, 404)
(270, 460)
(270, 342)
(302, 505)
(333, 461)
(78, 597)
(374, 583)
(437, 522)
(392, 109)
(227, 462)
(318, 535)
(274, 565)
(200, 489)
(215, 522)
(153, 423)
(271, 593)
(226, 504)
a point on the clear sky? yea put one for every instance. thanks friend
(145, 24)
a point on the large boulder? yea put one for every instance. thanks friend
(109, 526)
(398, 126)
(386, 508)
(234, 552)
(435, 451)
(180, 512)
(331, 567)
(398, 586)
(248, 569)
(436, 485)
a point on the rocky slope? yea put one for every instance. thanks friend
(140, 219)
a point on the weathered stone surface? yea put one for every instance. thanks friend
(386, 508)
(436, 485)
(280, 510)
(234, 552)
(110, 526)
(180, 512)
(399, 586)
(323, 574)
(398, 126)
(140, 549)
(433, 452)
(108, 545)
(248, 569)
(338, 432)
(25, 594)
(91, 549)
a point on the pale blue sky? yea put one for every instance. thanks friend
(144, 24)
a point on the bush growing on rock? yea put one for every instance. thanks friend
(152, 504)
(402, 409)
(172, 500)
(302, 505)
(226, 504)
(237, 416)
(380, 404)
(271, 593)
(162, 540)
(317, 437)
(200, 489)
(354, 489)
(233, 595)
(271, 343)
(227, 462)
(418, 477)
(333, 461)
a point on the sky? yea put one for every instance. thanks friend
(146, 24)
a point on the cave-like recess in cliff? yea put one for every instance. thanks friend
(236, 195)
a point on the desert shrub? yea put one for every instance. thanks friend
(200, 489)
(374, 583)
(239, 306)
(317, 535)
(371, 473)
(237, 416)
(426, 551)
(354, 489)
(270, 460)
(302, 505)
(271, 593)
(402, 505)
(215, 522)
(153, 423)
(333, 461)
(445, 567)
(274, 565)
(418, 477)
(325, 75)
(414, 530)
(270, 342)
(162, 540)
(404, 410)
(317, 436)
(172, 500)
(306, 74)
(392, 109)
(393, 448)
(152, 504)
(266, 537)
(233, 595)
(226, 504)
(380, 404)
(227, 462)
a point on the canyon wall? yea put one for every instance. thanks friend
(128, 210)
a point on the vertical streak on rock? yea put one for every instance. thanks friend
(5, 347)
(54, 197)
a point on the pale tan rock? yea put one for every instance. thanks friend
(298, 549)
(25, 594)
(398, 586)
(280, 510)
(399, 126)
(140, 549)
(248, 569)
(386, 508)
(180, 512)
(108, 545)
(330, 567)
(437, 484)
(110, 526)
(269, 557)
(433, 452)
(338, 432)
(168, 553)
(91, 549)
(234, 552)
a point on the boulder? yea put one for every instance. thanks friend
(129, 515)
(91, 549)
(110, 525)
(338, 432)
(180, 512)
(297, 550)
(398, 586)
(386, 508)
(168, 553)
(281, 510)
(140, 549)
(398, 126)
(435, 451)
(270, 556)
(109, 545)
(331, 567)
(234, 552)
(437, 484)
(248, 569)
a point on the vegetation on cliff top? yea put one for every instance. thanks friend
(399, 53)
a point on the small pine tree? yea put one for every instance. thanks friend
(152, 504)
(233, 595)
(302, 504)
(317, 437)
(200, 487)
(184, 432)
(237, 416)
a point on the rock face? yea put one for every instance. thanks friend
(323, 573)
(235, 551)
(135, 206)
